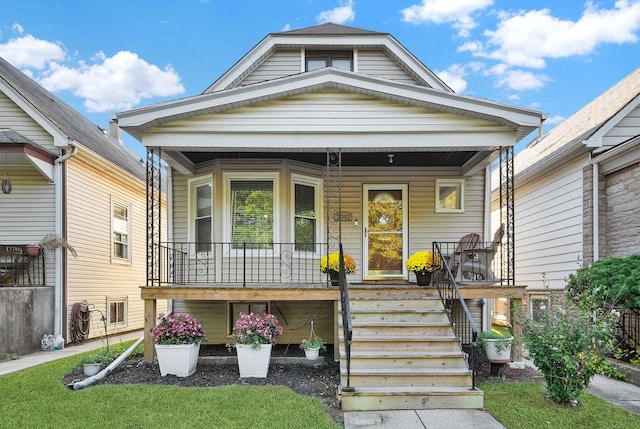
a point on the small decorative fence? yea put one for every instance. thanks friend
(628, 332)
(20, 265)
(184, 263)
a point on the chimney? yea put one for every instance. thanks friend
(114, 131)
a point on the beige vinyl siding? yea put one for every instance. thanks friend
(92, 276)
(279, 64)
(377, 63)
(13, 117)
(329, 111)
(425, 226)
(292, 315)
(549, 226)
(627, 128)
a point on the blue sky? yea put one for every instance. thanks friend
(102, 57)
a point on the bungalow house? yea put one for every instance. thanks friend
(67, 179)
(577, 191)
(320, 137)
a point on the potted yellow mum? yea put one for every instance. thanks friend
(422, 264)
(331, 264)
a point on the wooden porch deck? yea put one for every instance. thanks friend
(310, 292)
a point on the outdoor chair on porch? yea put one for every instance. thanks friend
(477, 261)
(457, 258)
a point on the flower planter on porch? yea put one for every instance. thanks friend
(423, 278)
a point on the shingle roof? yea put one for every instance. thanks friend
(71, 123)
(582, 124)
(329, 28)
(11, 136)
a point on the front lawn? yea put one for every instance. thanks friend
(36, 398)
(523, 405)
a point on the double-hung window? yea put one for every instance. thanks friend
(252, 210)
(201, 209)
(120, 232)
(306, 209)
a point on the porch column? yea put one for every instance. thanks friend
(507, 217)
(150, 307)
(154, 209)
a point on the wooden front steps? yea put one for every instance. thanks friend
(404, 354)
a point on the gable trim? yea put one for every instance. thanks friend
(595, 140)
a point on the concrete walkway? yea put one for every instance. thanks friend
(623, 394)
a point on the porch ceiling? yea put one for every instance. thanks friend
(351, 159)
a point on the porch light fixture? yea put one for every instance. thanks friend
(390, 158)
(6, 182)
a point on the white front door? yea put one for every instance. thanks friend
(385, 238)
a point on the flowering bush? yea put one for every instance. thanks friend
(254, 330)
(177, 328)
(423, 262)
(332, 263)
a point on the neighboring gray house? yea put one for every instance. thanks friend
(591, 160)
(71, 180)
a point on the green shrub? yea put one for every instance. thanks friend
(611, 281)
(568, 346)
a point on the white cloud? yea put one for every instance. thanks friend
(453, 76)
(554, 120)
(527, 39)
(17, 28)
(517, 80)
(338, 15)
(456, 12)
(287, 27)
(113, 83)
(29, 52)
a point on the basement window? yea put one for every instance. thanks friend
(117, 311)
(235, 308)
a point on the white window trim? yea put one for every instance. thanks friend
(226, 219)
(454, 182)
(115, 259)
(125, 310)
(318, 185)
(191, 215)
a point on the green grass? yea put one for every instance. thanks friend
(36, 398)
(524, 406)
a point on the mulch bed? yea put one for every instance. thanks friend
(318, 380)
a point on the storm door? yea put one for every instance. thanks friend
(384, 234)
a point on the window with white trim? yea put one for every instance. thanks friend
(201, 213)
(117, 311)
(306, 209)
(450, 195)
(252, 209)
(120, 232)
(341, 59)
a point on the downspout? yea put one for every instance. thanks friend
(595, 210)
(60, 230)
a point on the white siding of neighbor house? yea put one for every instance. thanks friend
(377, 63)
(92, 276)
(549, 226)
(13, 117)
(329, 111)
(279, 64)
(627, 128)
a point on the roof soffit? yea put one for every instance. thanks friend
(523, 121)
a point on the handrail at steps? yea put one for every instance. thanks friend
(347, 327)
(449, 292)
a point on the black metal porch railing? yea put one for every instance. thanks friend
(241, 263)
(347, 324)
(460, 318)
(21, 266)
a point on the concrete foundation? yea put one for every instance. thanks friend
(26, 314)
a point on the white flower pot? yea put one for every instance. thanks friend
(312, 353)
(91, 369)
(253, 362)
(495, 356)
(177, 359)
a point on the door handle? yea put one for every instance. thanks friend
(365, 232)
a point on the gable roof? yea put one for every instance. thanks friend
(328, 36)
(63, 121)
(575, 132)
